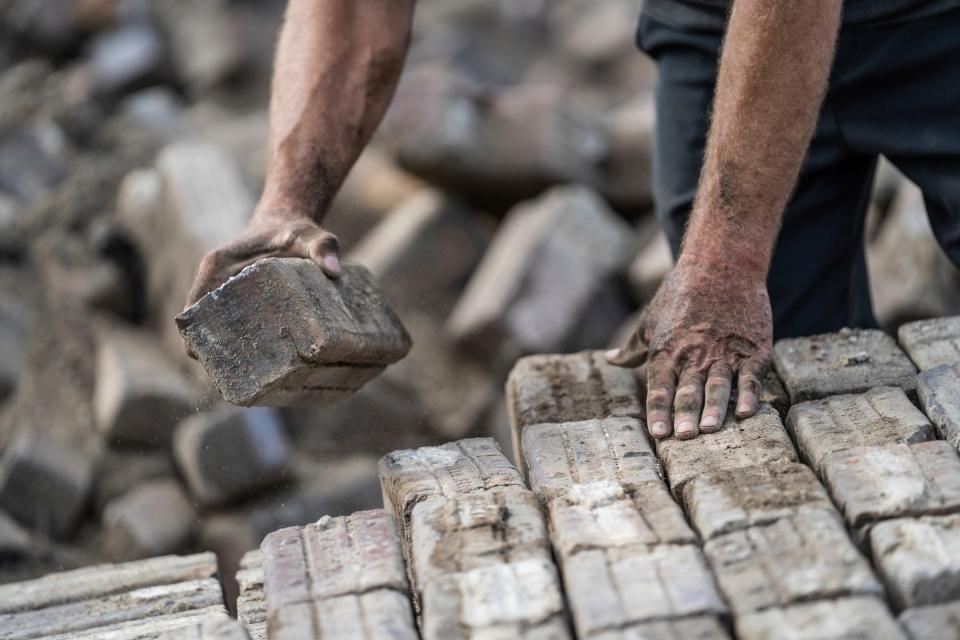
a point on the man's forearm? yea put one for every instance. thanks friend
(337, 66)
(773, 74)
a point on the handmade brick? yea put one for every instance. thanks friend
(931, 343)
(283, 333)
(140, 396)
(939, 392)
(552, 259)
(727, 501)
(839, 619)
(152, 519)
(849, 361)
(342, 575)
(759, 440)
(208, 623)
(880, 416)
(933, 621)
(919, 559)
(251, 602)
(791, 560)
(229, 453)
(561, 456)
(893, 480)
(475, 542)
(692, 628)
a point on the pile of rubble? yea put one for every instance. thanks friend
(504, 208)
(840, 521)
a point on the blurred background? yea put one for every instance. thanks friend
(132, 141)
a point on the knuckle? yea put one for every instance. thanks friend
(659, 397)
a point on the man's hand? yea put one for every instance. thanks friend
(704, 325)
(269, 234)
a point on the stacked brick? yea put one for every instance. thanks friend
(631, 565)
(897, 486)
(475, 542)
(167, 597)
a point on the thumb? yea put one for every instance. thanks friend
(633, 354)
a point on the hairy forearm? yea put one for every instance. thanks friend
(773, 74)
(337, 66)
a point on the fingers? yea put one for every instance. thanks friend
(324, 249)
(687, 404)
(748, 388)
(661, 382)
(634, 353)
(717, 397)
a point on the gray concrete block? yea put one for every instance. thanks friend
(933, 621)
(931, 343)
(562, 456)
(893, 480)
(282, 333)
(140, 396)
(601, 515)
(939, 392)
(692, 628)
(880, 416)
(727, 501)
(792, 560)
(549, 262)
(919, 559)
(94, 582)
(840, 619)
(228, 453)
(614, 588)
(342, 575)
(849, 361)
(251, 602)
(154, 518)
(455, 469)
(760, 440)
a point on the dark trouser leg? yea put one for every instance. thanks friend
(818, 278)
(899, 95)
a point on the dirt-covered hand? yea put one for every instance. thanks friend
(704, 325)
(269, 234)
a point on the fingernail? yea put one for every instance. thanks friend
(684, 428)
(709, 421)
(660, 429)
(612, 353)
(332, 264)
(744, 403)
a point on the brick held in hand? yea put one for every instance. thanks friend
(281, 333)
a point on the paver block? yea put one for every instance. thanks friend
(791, 560)
(251, 602)
(562, 456)
(759, 440)
(692, 628)
(208, 623)
(849, 361)
(103, 580)
(455, 469)
(140, 396)
(282, 333)
(840, 619)
(342, 575)
(229, 453)
(152, 519)
(214, 627)
(931, 343)
(552, 259)
(919, 559)
(939, 392)
(727, 501)
(880, 416)
(601, 515)
(933, 621)
(475, 542)
(893, 480)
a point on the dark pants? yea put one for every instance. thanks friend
(894, 90)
